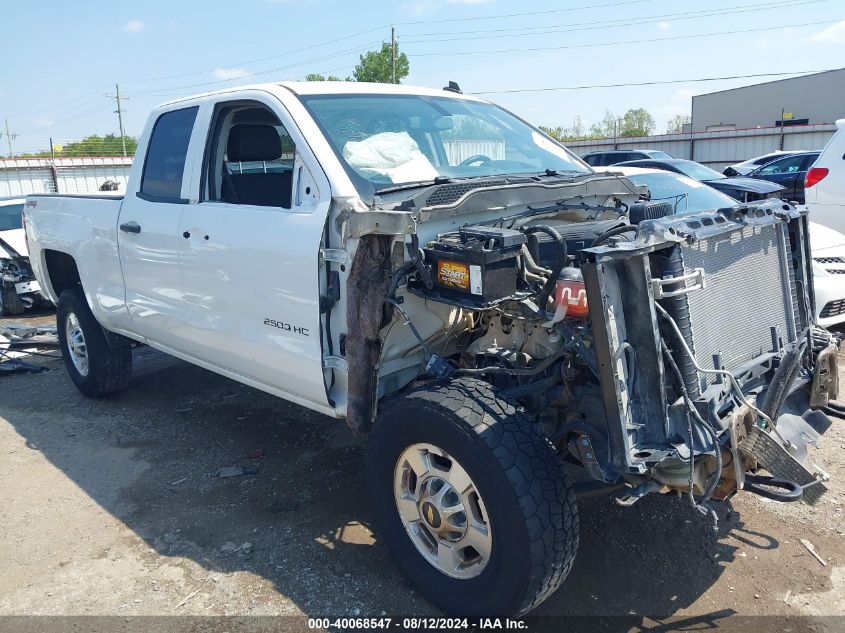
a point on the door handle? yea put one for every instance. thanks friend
(130, 227)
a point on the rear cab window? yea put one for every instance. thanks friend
(164, 165)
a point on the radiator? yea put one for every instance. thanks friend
(749, 288)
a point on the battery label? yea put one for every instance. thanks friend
(475, 280)
(453, 274)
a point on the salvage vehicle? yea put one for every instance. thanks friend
(482, 319)
(19, 289)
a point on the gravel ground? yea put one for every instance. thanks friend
(110, 507)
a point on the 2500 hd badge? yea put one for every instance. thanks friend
(287, 327)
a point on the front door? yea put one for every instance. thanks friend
(249, 251)
(148, 235)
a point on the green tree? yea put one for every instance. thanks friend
(606, 128)
(637, 122)
(319, 77)
(375, 66)
(676, 123)
(94, 145)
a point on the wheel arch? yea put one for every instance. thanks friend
(62, 273)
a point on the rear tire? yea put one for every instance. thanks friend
(10, 302)
(523, 499)
(96, 368)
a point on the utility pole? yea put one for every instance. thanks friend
(10, 137)
(119, 112)
(392, 55)
(53, 172)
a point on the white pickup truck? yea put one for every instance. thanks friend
(459, 286)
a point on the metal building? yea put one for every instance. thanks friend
(810, 99)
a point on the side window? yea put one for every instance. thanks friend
(164, 165)
(251, 158)
(591, 160)
(809, 159)
(783, 166)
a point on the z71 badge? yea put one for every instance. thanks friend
(287, 327)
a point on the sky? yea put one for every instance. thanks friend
(62, 58)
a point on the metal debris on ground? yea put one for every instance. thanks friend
(812, 549)
(18, 342)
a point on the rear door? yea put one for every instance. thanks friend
(249, 249)
(148, 235)
(785, 172)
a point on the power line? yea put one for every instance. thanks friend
(177, 89)
(621, 22)
(260, 59)
(527, 13)
(651, 83)
(62, 104)
(621, 42)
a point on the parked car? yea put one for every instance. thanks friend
(300, 282)
(19, 289)
(690, 196)
(828, 252)
(747, 166)
(611, 157)
(739, 188)
(789, 172)
(824, 184)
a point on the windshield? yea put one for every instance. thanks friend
(10, 217)
(659, 154)
(688, 195)
(697, 171)
(385, 140)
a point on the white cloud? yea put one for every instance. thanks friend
(663, 25)
(230, 73)
(468, 1)
(133, 26)
(835, 33)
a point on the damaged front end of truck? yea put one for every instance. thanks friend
(662, 352)
(710, 364)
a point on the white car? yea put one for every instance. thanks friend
(828, 245)
(19, 289)
(11, 227)
(828, 250)
(824, 185)
(747, 166)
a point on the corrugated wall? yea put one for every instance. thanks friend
(23, 176)
(718, 149)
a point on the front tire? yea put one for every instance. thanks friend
(471, 500)
(96, 368)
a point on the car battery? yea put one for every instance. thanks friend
(475, 267)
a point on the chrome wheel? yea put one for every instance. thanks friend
(76, 347)
(442, 511)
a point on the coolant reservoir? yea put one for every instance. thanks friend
(571, 294)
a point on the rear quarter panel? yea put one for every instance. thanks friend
(84, 227)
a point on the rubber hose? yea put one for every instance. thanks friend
(616, 230)
(758, 485)
(548, 288)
